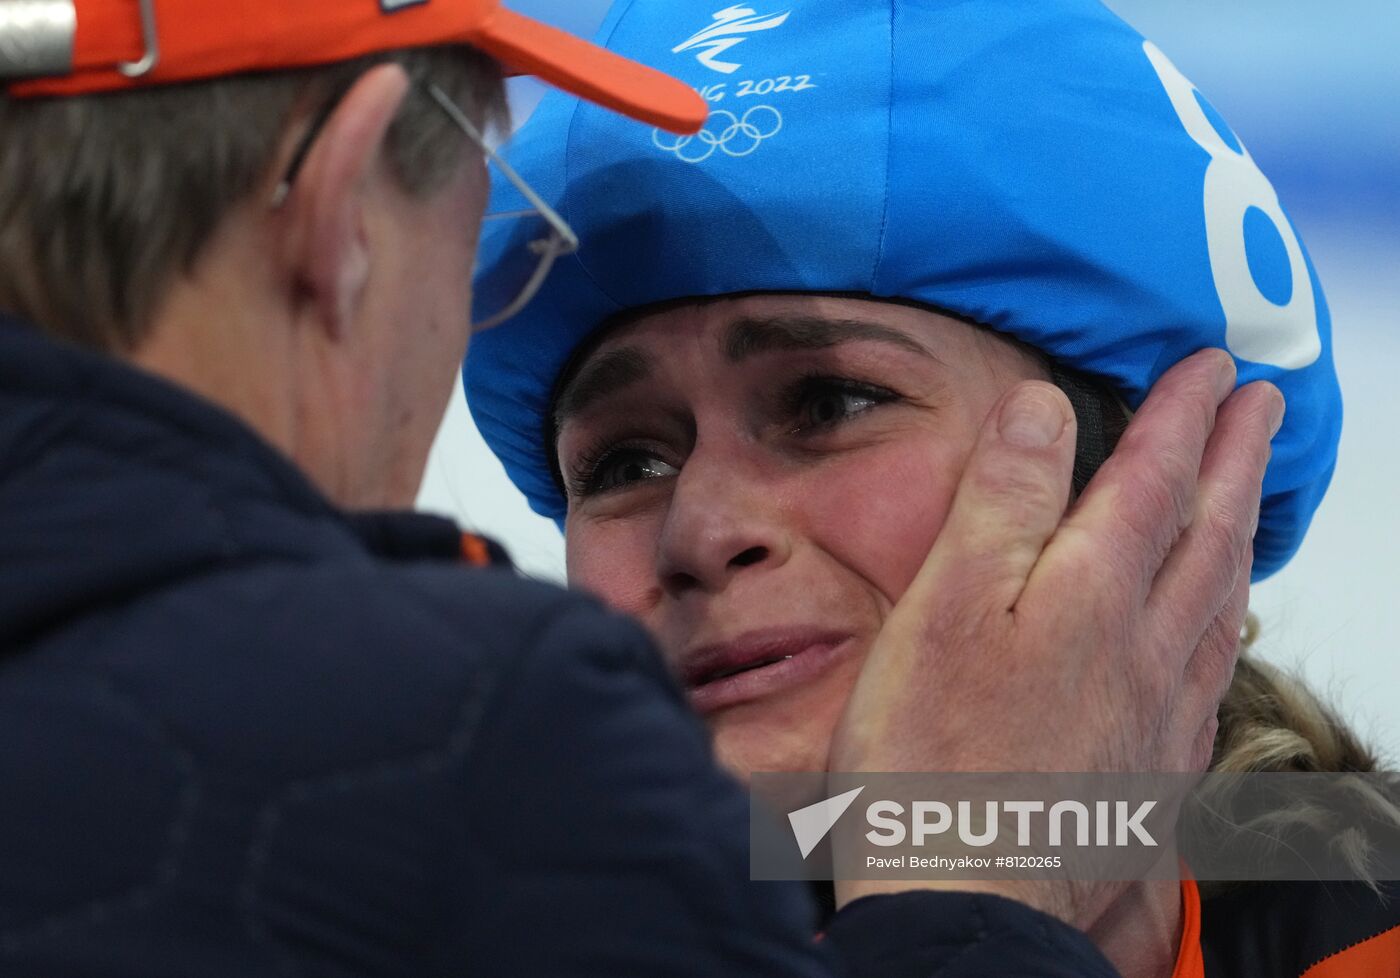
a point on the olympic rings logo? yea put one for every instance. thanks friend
(738, 137)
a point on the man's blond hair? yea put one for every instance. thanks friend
(106, 199)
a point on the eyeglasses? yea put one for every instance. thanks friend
(540, 237)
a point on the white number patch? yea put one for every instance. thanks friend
(1256, 328)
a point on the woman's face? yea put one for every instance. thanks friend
(758, 479)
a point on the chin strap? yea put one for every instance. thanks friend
(1101, 417)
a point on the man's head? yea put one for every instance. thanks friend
(142, 224)
(282, 213)
(117, 195)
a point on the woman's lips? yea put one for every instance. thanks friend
(757, 664)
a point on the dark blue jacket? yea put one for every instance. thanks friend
(244, 734)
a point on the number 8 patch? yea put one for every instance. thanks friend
(1255, 258)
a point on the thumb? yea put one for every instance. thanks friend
(1009, 502)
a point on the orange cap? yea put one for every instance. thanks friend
(107, 40)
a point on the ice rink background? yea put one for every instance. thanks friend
(1314, 92)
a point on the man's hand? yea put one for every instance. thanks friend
(1099, 639)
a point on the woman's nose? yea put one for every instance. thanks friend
(723, 520)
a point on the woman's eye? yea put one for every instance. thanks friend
(625, 467)
(822, 402)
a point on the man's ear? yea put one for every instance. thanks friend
(326, 233)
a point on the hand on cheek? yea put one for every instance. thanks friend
(1095, 640)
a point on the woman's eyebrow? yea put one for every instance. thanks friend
(601, 374)
(748, 336)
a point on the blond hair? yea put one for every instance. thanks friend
(1271, 722)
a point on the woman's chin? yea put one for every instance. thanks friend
(787, 732)
(744, 749)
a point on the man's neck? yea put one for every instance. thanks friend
(223, 333)
(1141, 932)
(214, 358)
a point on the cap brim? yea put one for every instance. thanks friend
(591, 72)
